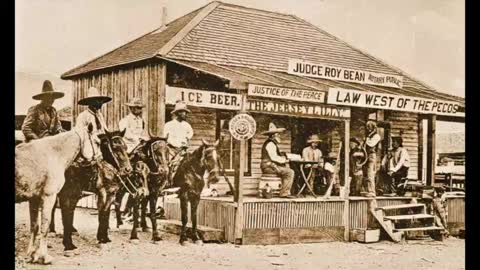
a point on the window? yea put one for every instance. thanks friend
(228, 143)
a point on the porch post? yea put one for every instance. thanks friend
(431, 153)
(239, 172)
(346, 188)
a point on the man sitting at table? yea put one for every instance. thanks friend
(312, 153)
(273, 162)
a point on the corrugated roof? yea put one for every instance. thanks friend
(254, 41)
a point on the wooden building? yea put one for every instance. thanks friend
(277, 67)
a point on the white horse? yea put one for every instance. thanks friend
(39, 175)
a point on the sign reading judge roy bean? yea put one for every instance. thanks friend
(317, 70)
(201, 98)
(347, 97)
(286, 93)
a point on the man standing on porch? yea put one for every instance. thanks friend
(179, 133)
(372, 141)
(274, 163)
(312, 153)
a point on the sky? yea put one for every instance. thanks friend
(424, 38)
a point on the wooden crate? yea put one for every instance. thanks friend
(365, 235)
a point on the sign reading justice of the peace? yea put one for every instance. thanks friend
(286, 93)
(350, 97)
(201, 98)
(242, 126)
(298, 109)
(318, 70)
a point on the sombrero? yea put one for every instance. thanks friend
(180, 106)
(93, 94)
(47, 91)
(314, 138)
(272, 129)
(136, 102)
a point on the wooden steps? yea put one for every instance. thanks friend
(398, 220)
(409, 217)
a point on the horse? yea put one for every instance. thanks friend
(108, 173)
(153, 155)
(189, 178)
(39, 176)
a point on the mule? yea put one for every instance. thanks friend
(39, 176)
(108, 174)
(189, 178)
(153, 154)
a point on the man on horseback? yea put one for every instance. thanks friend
(42, 119)
(134, 124)
(92, 117)
(179, 133)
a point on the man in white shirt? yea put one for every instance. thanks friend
(273, 162)
(92, 118)
(133, 123)
(312, 153)
(372, 141)
(179, 133)
(92, 115)
(395, 166)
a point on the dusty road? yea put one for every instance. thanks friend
(169, 255)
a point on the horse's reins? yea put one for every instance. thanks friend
(117, 164)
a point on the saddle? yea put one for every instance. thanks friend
(177, 155)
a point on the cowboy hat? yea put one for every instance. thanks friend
(47, 91)
(314, 138)
(272, 129)
(93, 94)
(136, 102)
(180, 106)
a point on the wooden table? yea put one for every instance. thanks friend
(305, 178)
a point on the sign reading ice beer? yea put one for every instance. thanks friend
(242, 126)
(347, 97)
(286, 93)
(201, 98)
(318, 70)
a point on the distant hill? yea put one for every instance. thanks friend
(450, 142)
(28, 84)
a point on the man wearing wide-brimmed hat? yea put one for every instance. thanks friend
(313, 153)
(273, 162)
(42, 119)
(92, 115)
(372, 141)
(179, 133)
(133, 123)
(395, 166)
(357, 159)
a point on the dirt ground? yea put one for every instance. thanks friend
(168, 254)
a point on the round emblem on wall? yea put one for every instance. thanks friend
(242, 126)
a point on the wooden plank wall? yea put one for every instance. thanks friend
(408, 123)
(122, 85)
(214, 214)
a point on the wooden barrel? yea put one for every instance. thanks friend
(272, 180)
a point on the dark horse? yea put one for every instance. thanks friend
(153, 155)
(108, 174)
(189, 178)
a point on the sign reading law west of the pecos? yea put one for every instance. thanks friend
(319, 70)
(242, 126)
(348, 97)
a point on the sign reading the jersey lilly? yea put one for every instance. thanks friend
(318, 70)
(242, 126)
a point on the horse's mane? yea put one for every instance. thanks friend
(104, 146)
(191, 160)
